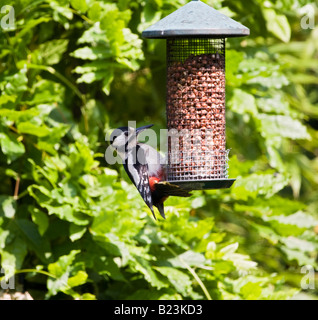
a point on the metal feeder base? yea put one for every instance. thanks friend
(204, 184)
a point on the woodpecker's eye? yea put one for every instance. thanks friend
(113, 140)
(126, 134)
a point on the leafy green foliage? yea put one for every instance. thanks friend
(70, 70)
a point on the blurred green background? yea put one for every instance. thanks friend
(73, 227)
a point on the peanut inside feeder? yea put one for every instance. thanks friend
(196, 108)
(195, 101)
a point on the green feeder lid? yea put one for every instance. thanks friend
(196, 19)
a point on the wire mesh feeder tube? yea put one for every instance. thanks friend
(196, 109)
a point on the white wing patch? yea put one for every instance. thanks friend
(134, 173)
(138, 173)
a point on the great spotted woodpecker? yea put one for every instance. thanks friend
(145, 168)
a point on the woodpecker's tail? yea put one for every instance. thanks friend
(164, 189)
(151, 208)
(161, 210)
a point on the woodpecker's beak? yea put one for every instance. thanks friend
(139, 130)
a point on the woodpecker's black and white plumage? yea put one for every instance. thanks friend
(145, 167)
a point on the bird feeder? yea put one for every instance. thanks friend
(195, 94)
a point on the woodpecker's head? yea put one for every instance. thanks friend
(124, 139)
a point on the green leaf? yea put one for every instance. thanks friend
(240, 261)
(243, 103)
(17, 82)
(76, 232)
(33, 129)
(295, 243)
(293, 224)
(274, 80)
(61, 10)
(108, 78)
(4, 98)
(277, 24)
(198, 202)
(79, 5)
(13, 253)
(300, 257)
(81, 157)
(163, 294)
(190, 257)
(142, 266)
(78, 279)
(53, 202)
(40, 219)
(251, 291)
(14, 115)
(233, 59)
(30, 25)
(180, 280)
(31, 235)
(274, 104)
(228, 250)
(63, 263)
(88, 53)
(66, 212)
(265, 184)
(8, 206)
(46, 95)
(282, 126)
(266, 233)
(11, 147)
(94, 12)
(61, 271)
(51, 52)
(87, 296)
